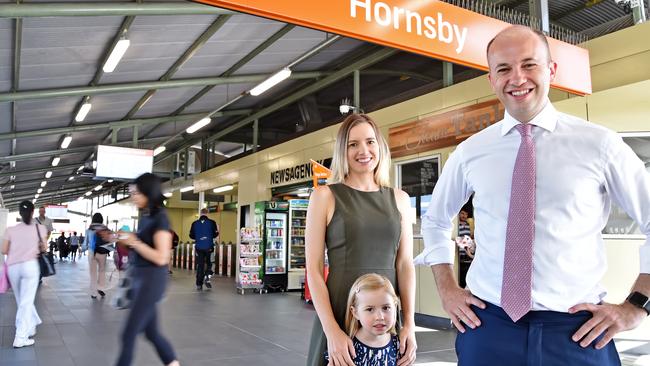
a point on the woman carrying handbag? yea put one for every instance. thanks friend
(22, 246)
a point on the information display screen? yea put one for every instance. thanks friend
(122, 162)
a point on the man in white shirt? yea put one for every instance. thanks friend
(532, 295)
(45, 221)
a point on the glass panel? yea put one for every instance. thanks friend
(619, 221)
(417, 178)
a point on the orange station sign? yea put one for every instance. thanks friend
(428, 27)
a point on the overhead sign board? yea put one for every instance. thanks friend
(428, 27)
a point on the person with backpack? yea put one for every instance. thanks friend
(97, 253)
(204, 231)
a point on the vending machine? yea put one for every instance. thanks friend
(297, 223)
(272, 219)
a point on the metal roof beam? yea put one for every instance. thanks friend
(146, 85)
(38, 170)
(264, 45)
(53, 179)
(191, 51)
(302, 92)
(107, 9)
(117, 124)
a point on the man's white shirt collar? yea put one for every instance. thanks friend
(546, 119)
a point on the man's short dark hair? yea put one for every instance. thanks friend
(535, 31)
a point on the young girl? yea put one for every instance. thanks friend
(370, 321)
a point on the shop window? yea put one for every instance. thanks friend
(619, 222)
(417, 178)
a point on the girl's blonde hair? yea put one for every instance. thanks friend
(340, 167)
(368, 282)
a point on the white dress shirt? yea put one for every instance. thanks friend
(580, 167)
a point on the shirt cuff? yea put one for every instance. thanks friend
(437, 255)
(644, 256)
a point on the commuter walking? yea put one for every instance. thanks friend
(22, 244)
(46, 221)
(97, 254)
(151, 248)
(74, 245)
(532, 293)
(366, 227)
(204, 231)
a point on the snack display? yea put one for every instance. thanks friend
(250, 254)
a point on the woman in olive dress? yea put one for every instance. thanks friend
(366, 227)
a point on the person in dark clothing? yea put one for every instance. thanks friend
(62, 243)
(204, 231)
(150, 251)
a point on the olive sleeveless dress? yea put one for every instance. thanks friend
(362, 237)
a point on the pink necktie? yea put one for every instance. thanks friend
(520, 233)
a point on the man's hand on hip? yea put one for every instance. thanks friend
(608, 319)
(456, 302)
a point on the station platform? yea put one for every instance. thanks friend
(216, 327)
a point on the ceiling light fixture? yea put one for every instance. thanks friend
(89, 193)
(159, 150)
(36, 196)
(346, 106)
(12, 186)
(110, 181)
(71, 178)
(83, 112)
(98, 187)
(39, 191)
(168, 194)
(43, 183)
(272, 81)
(187, 189)
(116, 55)
(304, 194)
(225, 188)
(48, 174)
(56, 160)
(66, 142)
(198, 125)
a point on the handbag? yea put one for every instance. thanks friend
(5, 285)
(45, 260)
(124, 293)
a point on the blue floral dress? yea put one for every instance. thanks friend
(375, 356)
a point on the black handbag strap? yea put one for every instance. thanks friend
(38, 232)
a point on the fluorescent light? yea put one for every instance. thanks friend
(303, 194)
(89, 193)
(168, 194)
(83, 112)
(225, 188)
(198, 125)
(43, 183)
(48, 174)
(80, 198)
(94, 164)
(12, 186)
(36, 196)
(66, 142)
(116, 55)
(39, 191)
(13, 177)
(159, 150)
(71, 178)
(34, 200)
(187, 189)
(80, 168)
(98, 187)
(271, 82)
(110, 181)
(56, 160)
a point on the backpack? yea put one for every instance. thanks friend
(121, 258)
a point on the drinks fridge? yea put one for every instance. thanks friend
(297, 221)
(272, 218)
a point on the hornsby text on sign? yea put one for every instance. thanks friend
(427, 27)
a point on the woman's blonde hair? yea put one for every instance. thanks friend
(368, 282)
(340, 167)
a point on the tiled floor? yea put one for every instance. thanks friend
(218, 327)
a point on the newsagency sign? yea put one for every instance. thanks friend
(428, 27)
(296, 173)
